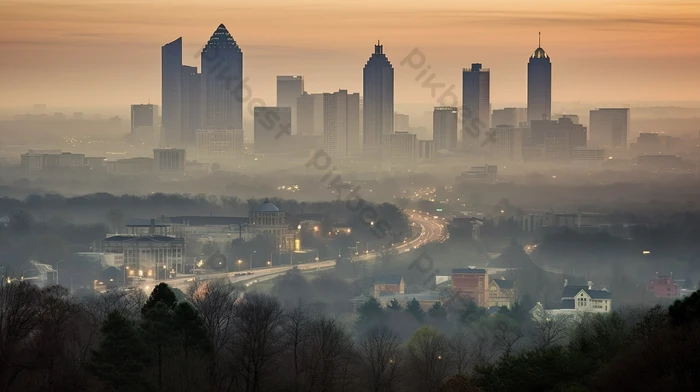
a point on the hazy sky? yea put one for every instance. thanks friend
(103, 53)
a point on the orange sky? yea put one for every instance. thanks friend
(107, 52)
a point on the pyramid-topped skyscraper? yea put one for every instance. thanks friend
(222, 82)
(378, 102)
(539, 86)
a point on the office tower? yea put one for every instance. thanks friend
(399, 151)
(426, 151)
(557, 138)
(573, 117)
(377, 101)
(215, 145)
(145, 124)
(289, 88)
(539, 86)
(511, 117)
(445, 128)
(222, 82)
(310, 114)
(270, 128)
(609, 127)
(506, 143)
(341, 124)
(171, 89)
(401, 122)
(190, 104)
(476, 105)
(169, 160)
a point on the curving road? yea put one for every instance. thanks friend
(432, 229)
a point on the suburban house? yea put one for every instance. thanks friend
(501, 293)
(387, 285)
(471, 283)
(664, 287)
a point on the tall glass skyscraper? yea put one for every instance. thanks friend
(378, 101)
(476, 105)
(171, 90)
(539, 86)
(222, 82)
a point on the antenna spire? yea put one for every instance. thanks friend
(539, 39)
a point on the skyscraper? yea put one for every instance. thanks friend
(171, 89)
(341, 124)
(445, 128)
(476, 105)
(289, 88)
(145, 127)
(511, 117)
(539, 86)
(190, 98)
(222, 82)
(378, 102)
(609, 127)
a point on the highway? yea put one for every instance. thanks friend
(432, 229)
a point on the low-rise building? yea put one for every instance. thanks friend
(664, 287)
(388, 285)
(144, 255)
(501, 293)
(471, 283)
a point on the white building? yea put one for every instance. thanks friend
(37, 160)
(341, 124)
(214, 145)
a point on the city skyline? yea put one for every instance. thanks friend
(122, 57)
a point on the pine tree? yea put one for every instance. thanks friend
(415, 309)
(370, 311)
(163, 294)
(120, 361)
(437, 311)
(394, 305)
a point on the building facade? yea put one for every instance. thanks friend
(512, 117)
(147, 256)
(472, 283)
(169, 161)
(145, 124)
(219, 145)
(539, 86)
(378, 102)
(476, 105)
(399, 151)
(609, 128)
(445, 126)
(171, 90)
(341, 124)
(506, 143)
(270, 125)
(222, 82)
(289, 89)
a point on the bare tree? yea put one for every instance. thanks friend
(507, 334)
(327, 349)
(549, 328)
(426, 364)
(380, 355)
(459, 352)
(295, 327)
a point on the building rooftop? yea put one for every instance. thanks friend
(149, 238)
(504, 284)
(209, 220)
(468, 271)
(266, 206)
(388, 279)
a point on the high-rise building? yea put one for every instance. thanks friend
(539, 86)
(506, 143)
(222, 82)
(171, 89)
(190, 93)
(289, 88)
(476, 105)
(271, 125)
(445, 125)
(217, 146)
(169, 160)
(426, 151)
(399, 151)
(310, 114)
(378, 102)
(609, 127)
(401, 122)
(511, 117)
(145, 124)
(341, 124)
(557, 138)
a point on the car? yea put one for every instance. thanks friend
(250, 273)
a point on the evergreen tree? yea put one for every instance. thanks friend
(163, 294)
(370, 311)
(120, 360)
(437, 311)
(394, 305)
(190, 329)
(688, 284)
(414, 308)
(158, 326)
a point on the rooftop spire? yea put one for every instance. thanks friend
(539, 39)
(378, 48)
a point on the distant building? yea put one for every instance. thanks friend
(289, 89)
(664, 287)
(472, 283)
(130, 166)
(401, 122)
(557, 138)
(219, 145)
(38, 160)
(486, 173)
(502, 293)
(586, 155)
(585, 299)
(506, 143)
(270, 128)
(609, 128)
(169, 161)
(144, 255)
(145, 124)
(378, 102)
(310, 114)
(399, 151)
(511, 117)
(171, 90)
(476, 105)
(445, 126)
(426, 151)
(388, 285)
(539, 85)
(573, 117)
(661, 162)
(341, 124)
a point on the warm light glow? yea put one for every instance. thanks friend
(297, 245)
(646, 252)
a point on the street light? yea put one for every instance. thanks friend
(251, 259)
(268, 263)
(25, 271)
(239, 264)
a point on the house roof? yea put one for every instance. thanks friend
(504, 284)
(388, 279)
(567, 304)
(468, 271)
(145, 222)
(210, 220)
(149, 238)
(570, 291)
(598, 294)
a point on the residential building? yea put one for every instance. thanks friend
(472, 283)
(270, 125)
(401, 122)
(219, 145)
(399, 151)
(511, 117)
(476, 105)
(539, 85)
(289, 89)
(169, 161)
(146, 256)
(341, 124)
(388, 285)
(445, 126)
(222, 82)
(506, 143)
(378, 102)
(609, 128)
(502, 293)
(664, 287)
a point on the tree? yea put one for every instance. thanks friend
(458, 350)
(158, 329)
(369, 312)
(119, 362)
(686, 310)
(413, 307)
(688, 284)
(437, 311)
(116, 218)
(394, 305)
(426, 363)
(380, 356)
(507, 333)
(21, 221)
(549, 328)
(160, 294)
